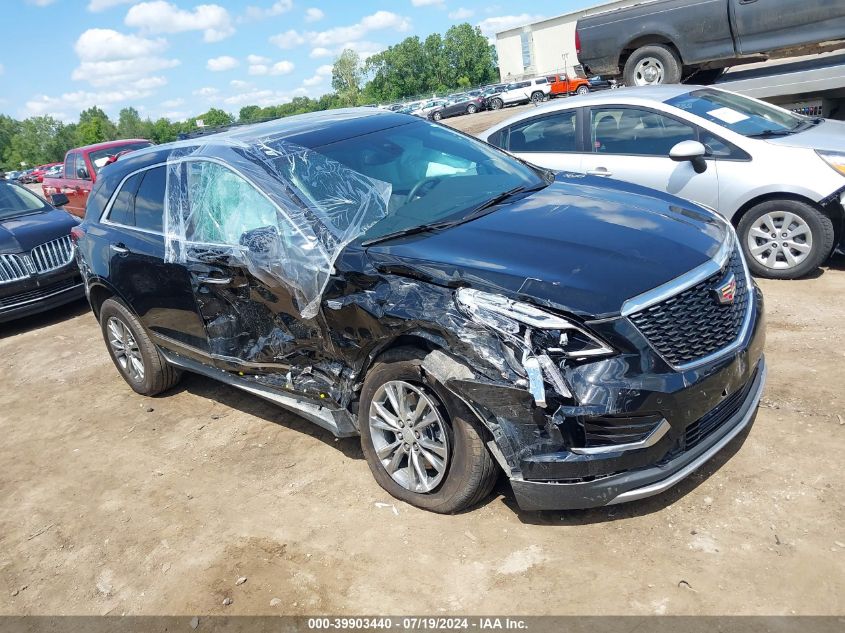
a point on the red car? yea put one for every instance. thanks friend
(80, 171)
(38, 172)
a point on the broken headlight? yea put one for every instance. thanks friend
(539, 342)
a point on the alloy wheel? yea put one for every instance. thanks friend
(125, 349)
(649, 71)
(780, 240)
(409, 436)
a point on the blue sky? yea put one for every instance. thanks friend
(177, 58)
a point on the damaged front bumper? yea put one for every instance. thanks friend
(645, 482)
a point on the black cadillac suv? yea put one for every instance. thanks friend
(464, 312)
(37, 267)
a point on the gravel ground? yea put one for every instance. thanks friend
(115, 503)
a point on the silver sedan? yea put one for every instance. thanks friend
(778, 176)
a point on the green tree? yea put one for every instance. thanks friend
(215, 118)
(33, 142)
(468, 54)
(162, 131)
(130, 125)
(249, 114)
(347, 74)
(95, 127)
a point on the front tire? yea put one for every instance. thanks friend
(422, 444)
(496, 104)
(652, 65)
(133, 353)
(785, 239)
(436, 116)
(471, 109)
(537, 97)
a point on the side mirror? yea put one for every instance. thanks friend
(691, 151)
(59, 199)
(82, 173)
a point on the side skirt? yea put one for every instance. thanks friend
(339, 421)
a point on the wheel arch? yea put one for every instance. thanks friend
(98, 292)
(831, 207)
(654, 37)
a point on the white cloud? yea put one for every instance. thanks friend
(172, 103)
(491, 26)
(319, 52)
(101, 5)
(378, 21)
(283, 67)
(207, 92)
(106, 44)
(258, 97)
(322, 72)
(219, 64)
(240, 84)
(277, 8)
(426, 3)
(288, 39)
(108, 57)
(461, 14)
(314, 15)
(160, 16)
(257, 59)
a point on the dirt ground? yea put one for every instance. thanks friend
(115, 503)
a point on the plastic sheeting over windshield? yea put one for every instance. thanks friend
(282, 211)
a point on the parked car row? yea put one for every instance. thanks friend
(541, 89)
(29, 176)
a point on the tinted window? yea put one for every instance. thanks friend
(70, 166)
(555, 133)
(101, 157)
(542, 81)
(634, 131)
(149, 201)
(224, 206)
(123, 208)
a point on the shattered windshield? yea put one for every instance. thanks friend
(434, 174)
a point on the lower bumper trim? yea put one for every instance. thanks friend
(634, 485)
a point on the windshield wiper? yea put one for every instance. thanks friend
(770, 133)
(477, 212)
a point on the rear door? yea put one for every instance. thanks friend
(550, 140)
(160, 293)
(633, 144)
(768, 25)
(251, 318)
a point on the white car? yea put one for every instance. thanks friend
(778, 176)
(533, 90)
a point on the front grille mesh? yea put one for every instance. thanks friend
(692, 324)
(12, 268)
(52, 255)
(44, 258)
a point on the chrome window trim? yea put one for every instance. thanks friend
(651, 439)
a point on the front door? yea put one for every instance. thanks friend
(159, 292)
(549, 140)
(633, 144)
(76, 184)
(767, 25)
(235, 252)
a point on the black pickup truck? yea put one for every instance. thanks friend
(665, 41)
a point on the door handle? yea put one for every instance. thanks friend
(120, 249)
(214, 281)
(599, 171)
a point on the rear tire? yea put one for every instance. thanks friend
(133, 352)
(537, 97)
(808, 242)
(469, 472)
(496, 104)
(436, 116)
(582, 90)
(652, 65)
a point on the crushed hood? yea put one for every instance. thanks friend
(25, 232)
(583, 245)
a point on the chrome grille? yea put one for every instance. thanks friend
(691, 325)
(13, 268)
(52, 255)
(44, 258)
